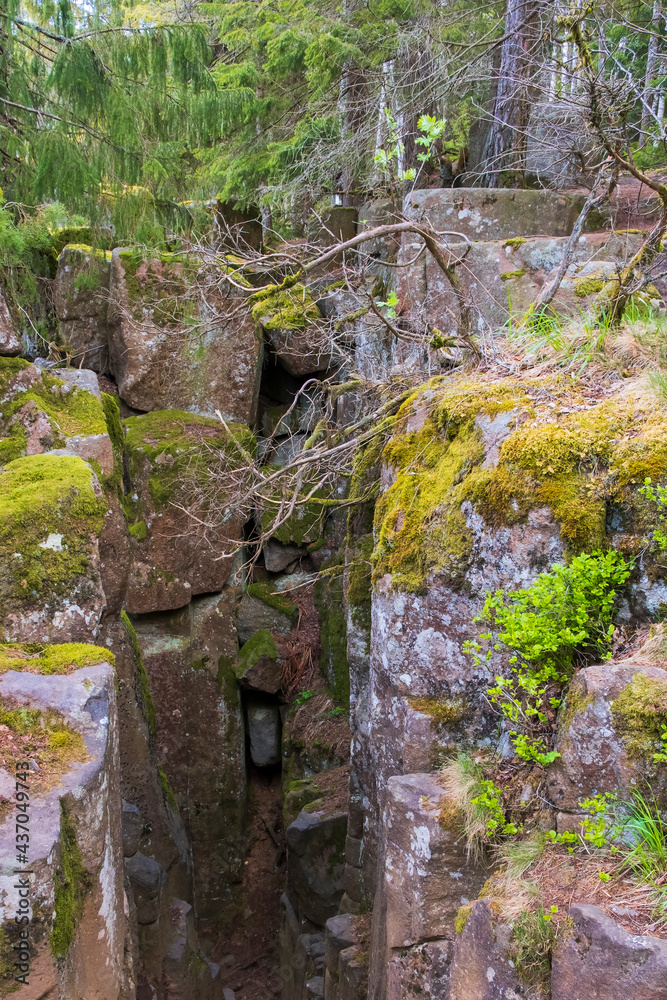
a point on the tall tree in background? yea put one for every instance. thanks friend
(102, 106)
(506, 144)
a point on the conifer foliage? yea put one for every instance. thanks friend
(101, 106)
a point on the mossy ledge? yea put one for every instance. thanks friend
(265, 592)
(56, 658)
(567, 453)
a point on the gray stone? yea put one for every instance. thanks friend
(420, 971)
(315, 988)
(316, 862)
(481, 966)
(254, 615)
(498, 272)
(423, 873)
(79, 378)
(278, 557)
(87, 791)
(228, 994)
(599, 752)
(131, 826)
(149, 881)
(494, 214)
(265, 730)
(601, 959)
(340, 934)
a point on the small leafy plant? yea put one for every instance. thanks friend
(658, 494)
(490, 800)
(661, 755)
(303, 697)
(431, 129)
(563, 617)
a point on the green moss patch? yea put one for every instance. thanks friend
(71, 885)
(510, 275)
(289, 306)
(173, 445)
(48, 513)
(58, 658)
(70, 411)
(260, 644)
(167, 790)
(266, 593)
(639, 713)
(328, 597)
(583, 287)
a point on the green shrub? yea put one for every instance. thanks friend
(564, 617)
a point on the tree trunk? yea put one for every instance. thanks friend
(506, 157)
(649, 95)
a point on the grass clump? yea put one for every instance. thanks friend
(533, 938)
(476, 802)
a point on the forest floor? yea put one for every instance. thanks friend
(249, 950)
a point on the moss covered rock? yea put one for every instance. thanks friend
(42, 411)
(291, 320)
(51, 516)
(493, 448)
(81, 296)
(77, 928)
(181, 338)
(173, 557)
(609, 729)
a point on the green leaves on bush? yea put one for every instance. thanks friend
(564, 617)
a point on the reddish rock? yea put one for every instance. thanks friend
(175, 556)
(81, 297)
(181, 338)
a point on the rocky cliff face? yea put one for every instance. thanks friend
(234, 766)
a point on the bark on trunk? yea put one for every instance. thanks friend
(506, 156)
